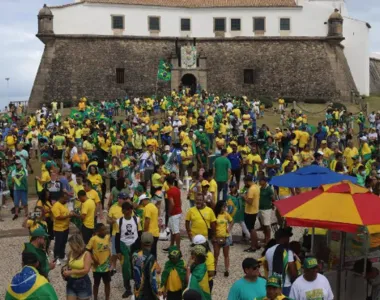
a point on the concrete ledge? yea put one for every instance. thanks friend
(208, 39)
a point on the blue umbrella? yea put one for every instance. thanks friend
(310, 176)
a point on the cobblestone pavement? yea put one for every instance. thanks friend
(11, 245)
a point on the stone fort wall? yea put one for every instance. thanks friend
(374, 69)
(301, 68)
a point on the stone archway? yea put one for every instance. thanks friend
(189, 81)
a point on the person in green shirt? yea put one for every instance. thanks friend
(265, 206)
(222, 171)
(20, 188)
(37, 246)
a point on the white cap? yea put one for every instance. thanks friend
(143, 197)
(167, 147)
(363, 138)
(199, 240)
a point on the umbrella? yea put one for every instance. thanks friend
(342, 206)
(310, 176)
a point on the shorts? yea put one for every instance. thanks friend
(173, 223)
(20, 195)
(57, 154)
(250, 220)
(113, 247)
(105, 276)
(265, 216)
(79, 287)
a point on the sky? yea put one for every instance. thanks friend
(21, 51)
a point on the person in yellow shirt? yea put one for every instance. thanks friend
(220, 141)
(307, 156)
(253, 162)
(81, 105)
(304, 138)
(115, 213)
(187, 160)
(116, 149)
(87, 214)
(349, 153)
(151, 141)
(81, 158)
(11, 141)
(93, 195)
(150, 220)
(327, 152)
(173, 277)
(251, 198)
(281, 106)
(222, 239)
(61, 221)
(99, 247)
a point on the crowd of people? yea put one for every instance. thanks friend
(129, 164)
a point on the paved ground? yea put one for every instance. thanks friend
(12, 237)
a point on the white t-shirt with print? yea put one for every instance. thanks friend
(269, 257)
(319, 289)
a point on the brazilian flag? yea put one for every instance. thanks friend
(30, 285)
(199, 281)
(164, 71)
(76, 115)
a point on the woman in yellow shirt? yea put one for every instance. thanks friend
(95, 179)
(307, 156)
(222, 237)
(79, 264)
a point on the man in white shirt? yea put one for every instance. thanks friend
(126, 242)
(275, 259)
(311, 285)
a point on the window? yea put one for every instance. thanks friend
(235, 25)
(117, 22)
(248, 76)
(284, 24)
(220, 24)
(154, 23)
(185, 25)
(258, 24)
(119, 75)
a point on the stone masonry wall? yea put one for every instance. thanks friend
(375, 76)
(293, 67)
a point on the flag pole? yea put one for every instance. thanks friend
(158, 70)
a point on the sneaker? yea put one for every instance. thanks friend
(113, 272)
(65, 258)
(105, 211)
(126, 294)
(58, 262)
(15, 217)
(226, 274)
(165, 249)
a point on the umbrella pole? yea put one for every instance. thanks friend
(341, 265)
(312, 240)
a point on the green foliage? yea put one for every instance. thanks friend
(339, 106)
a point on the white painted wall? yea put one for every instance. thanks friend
(307, 20)
(356, 49)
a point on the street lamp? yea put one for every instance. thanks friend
(7, 79)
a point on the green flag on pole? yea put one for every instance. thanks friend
(164, 71)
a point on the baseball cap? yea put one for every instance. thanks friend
(274, 281)
(174, 252)
(199, 239)
(310, 263)
(147, 238)
(122, 196)
(44, 155)
(205, 183)
(38, 232)
(363, 138)
(324, 142)
(139, 189)
(18, 161)
(143, 197)
(233, 184)
(199, 250)
(167, 148)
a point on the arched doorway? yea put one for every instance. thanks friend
(189, 81)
